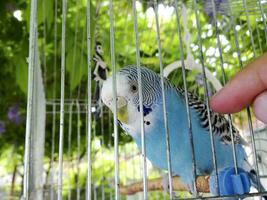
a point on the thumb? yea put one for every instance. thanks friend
(260, 107)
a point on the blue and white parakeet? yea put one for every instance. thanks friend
(180, 150)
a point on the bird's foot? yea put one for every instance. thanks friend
(165, 182)
(97, 112)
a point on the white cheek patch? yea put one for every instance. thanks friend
(106, 94)
(107, 90)
(134, 121)
(122, 86)
(123, 90)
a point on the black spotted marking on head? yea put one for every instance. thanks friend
(151, 85)
(148, 123)
(130, 77)
(146, 110)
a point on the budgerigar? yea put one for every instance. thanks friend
(180, 149)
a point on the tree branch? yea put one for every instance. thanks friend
(156, 184)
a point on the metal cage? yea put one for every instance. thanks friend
(204, 35)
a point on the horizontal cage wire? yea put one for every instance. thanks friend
(114, 100)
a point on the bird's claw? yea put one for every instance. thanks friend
(165, 183)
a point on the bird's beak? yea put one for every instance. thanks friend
(122, 109)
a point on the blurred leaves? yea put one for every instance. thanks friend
(21, 73)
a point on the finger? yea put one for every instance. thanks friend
(243, 88)
(260, 107)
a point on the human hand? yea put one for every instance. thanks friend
(248, 87)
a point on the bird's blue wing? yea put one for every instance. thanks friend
(220, 125)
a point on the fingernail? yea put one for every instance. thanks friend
(214, 97)
(260, 107)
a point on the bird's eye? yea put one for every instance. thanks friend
(134, 88)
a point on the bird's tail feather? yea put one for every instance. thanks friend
(255, 183)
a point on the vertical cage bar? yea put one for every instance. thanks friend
(95, 192)
(89, 102)
(86, 144)
(189, 121)
(248, 109)
(44, 41)
(233, 24)
(109, 128)
(103, 191)
(214, 160)
(52, 158)
(258, 33)
(114, 95)
(264, 20)
(78, 149)
(32, 58)
(165, 116)
(224, 81)
(54, 106)
(249, 28)
(140, 94)
(102, 122)
(75, 35)
(251, 131)
(69, 144)
(62, 97)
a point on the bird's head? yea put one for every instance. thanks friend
(128, 93)
(98, 49)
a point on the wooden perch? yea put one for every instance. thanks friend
(156, 184)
